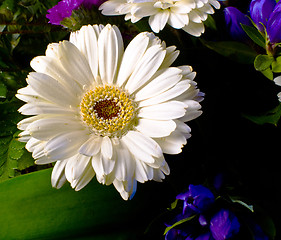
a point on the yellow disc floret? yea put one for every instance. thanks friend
(108, 111)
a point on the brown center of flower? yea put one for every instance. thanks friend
(108, 111)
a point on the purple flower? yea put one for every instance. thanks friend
(260, 11)
(273, 26)
(224, 225)
(64, 9)
(234, 18)
(196, 200)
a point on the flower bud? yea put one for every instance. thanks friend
(234, 18)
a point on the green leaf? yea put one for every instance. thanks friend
(11, 151)
(31, 209)
(276, 65)
(178, 223)
(254, 34)
(210, 22)
(3, 90)
(173, 205)
(236, 51)
(271, 117)
(250, 207)
(263, 62)
(9, 117)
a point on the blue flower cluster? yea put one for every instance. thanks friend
(265, 15)
(214, 223)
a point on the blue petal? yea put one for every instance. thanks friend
(234, 18)
(273, 26)
(260, 11)
(224, 225)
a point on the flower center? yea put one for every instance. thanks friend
(108, 111)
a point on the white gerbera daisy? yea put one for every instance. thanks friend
(100, 110)
(186, 14)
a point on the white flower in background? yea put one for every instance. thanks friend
(186, 14)
(100, 110)
(277, 81)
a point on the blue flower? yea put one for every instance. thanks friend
(196, 200)
(234, 18)
(260, 11)
(224, 225)
(273, 26)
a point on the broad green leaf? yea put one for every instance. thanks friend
(178, 223)
(271, 117)
(236, 51)
(254, 34)
(268, 73)
(263, 62)
(276, 65)
(31, 209)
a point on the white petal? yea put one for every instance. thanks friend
(44, 160)
(126, 189)
(183, 6)
(143, 172)
(165, 80)
(110, 47)
(158, 21)
(146, 68)
(180, 88)
(87, 176)
(86, 40)
(106, 147)
(163, 111)
(52, 50)
(47, 128)
(75, 63)
(58, 178)
(195, 29)
(171, 56)
(144, 10)
(134, 51)
(23, 124)
(91, 147)
(139, 144)
(125, 163)
(154, 128)
(76, 166)
(108, 164)
(98, 168)
(277, 80)
(215, 3)
(109, 8)
(178, 20)
(52, 67)
(51, 89)
(65, 145)
(44, 108)
(190, 115)
(173, 143)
